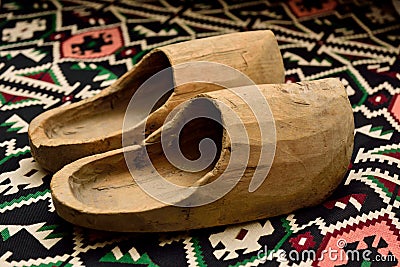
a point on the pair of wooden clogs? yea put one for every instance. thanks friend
(310, 143)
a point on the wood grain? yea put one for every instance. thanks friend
(314, 131)
(64, 134)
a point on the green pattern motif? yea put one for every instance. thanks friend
(127, 258)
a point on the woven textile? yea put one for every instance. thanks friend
(54, 53)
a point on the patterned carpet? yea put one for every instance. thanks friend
(54, 52)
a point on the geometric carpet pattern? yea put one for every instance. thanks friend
(55, 52)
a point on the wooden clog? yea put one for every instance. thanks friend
(64, 134)
(314, 141)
